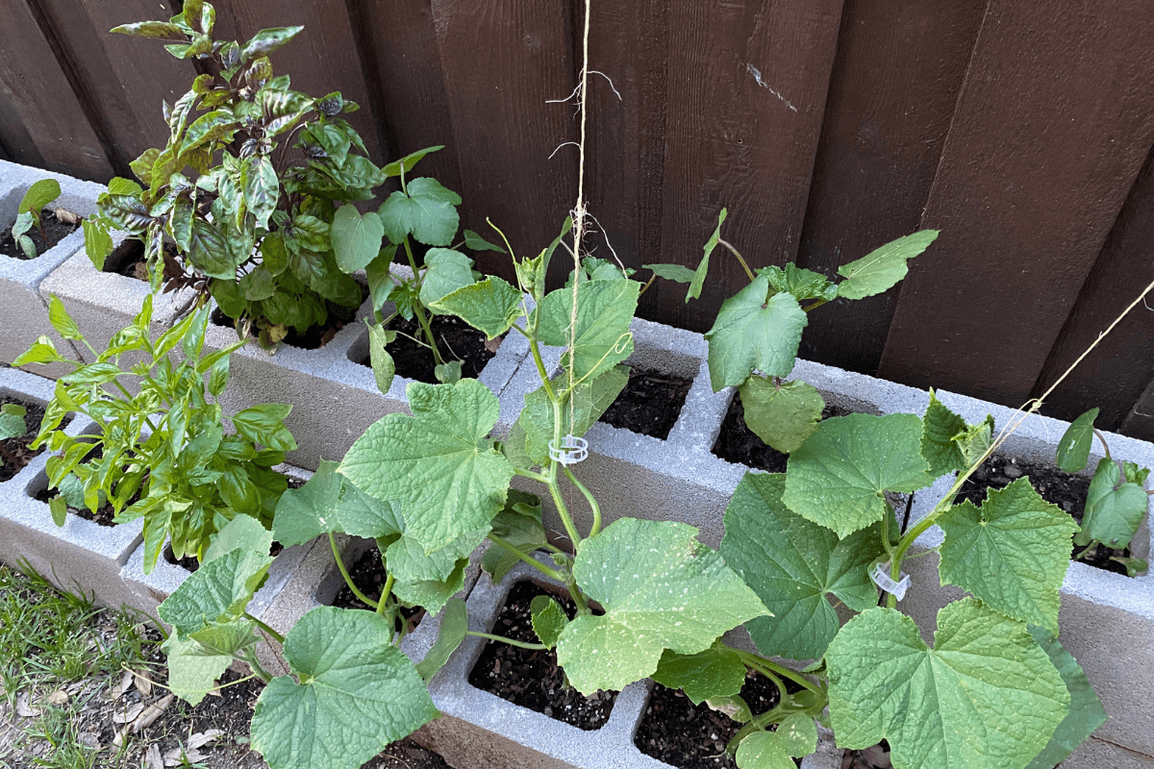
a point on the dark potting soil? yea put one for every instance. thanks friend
(127, 259)
(315, 337)
(17, 448)
(676, 731)
(57, 231)
(1055, 486)
(531, 678)
(649, 404)
(737, 443)
(368, 574)
(456, 339)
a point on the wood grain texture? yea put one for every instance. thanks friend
(414, 110)
(18, 145)
(1051, 129)
(747, 85)
(121, 79)
(900, 65)
(629, 44)
(323, 58)
(41, 97)
(1117, 372)
(501, 61)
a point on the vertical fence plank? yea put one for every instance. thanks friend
(39, 92)
(1050, 132)
(1115, 374)
(629, 44)
(899, 68)
(323, 58)
(414, 111)
(1139, 423)
(501, 60)
(14, 138)
(747, 89)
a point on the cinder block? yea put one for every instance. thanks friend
(23, 313)
(1099, 754)
(478, 730)
(334, 398)
(81, 556)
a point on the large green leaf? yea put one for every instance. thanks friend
(356, 239)
(783, 415)
(428, 212)
(795, 567)
(882, 268)
(660, 589)
(217, 591)
(601, 338)
(1086, 712)
(764, 750)
(490, 305)
(985, 697)
(1012, 552)
(357, 693)
(753, 332)
(1115, 507)
(838, 476)
(716, 672)
(438, 462)
(192, 672)
(429, 580)
(330, 502)
(454, 625)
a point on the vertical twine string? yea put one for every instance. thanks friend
(579, 211)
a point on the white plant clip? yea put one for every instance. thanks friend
(572, 450)
(881, 577)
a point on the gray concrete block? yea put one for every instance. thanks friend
(334, 397)
(81, 556)
(23, 313)
(1100, 754)
(478, 730)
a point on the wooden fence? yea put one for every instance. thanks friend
(1021, 128)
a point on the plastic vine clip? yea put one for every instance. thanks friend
(881, 577)
(571, 451)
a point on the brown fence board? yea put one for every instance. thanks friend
(501, 61)
(629, 44)
(18, 145)
(414, 111)
(747, 89)
(1115, 374)
(1139, 423)
(881, 141)
(41, 96)
(1049, 134)
(323, 58)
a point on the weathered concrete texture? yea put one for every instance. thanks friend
(23, 313)
(147, 591)
(1106, 619)
(81, 557)
(334, 397)
(478, 730)
(1099, 754)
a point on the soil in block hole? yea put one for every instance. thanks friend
(649, 404)
(532, 678)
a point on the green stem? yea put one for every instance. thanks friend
(249, 656)
(419, 310)
(596, 508)
(504, 545)
(772, 669)
(348, 579)
(733, 251)
(542, 372)
(277, 636)
(510, 641)
(384, 599)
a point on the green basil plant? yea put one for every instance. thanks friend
(995, 689)
(257, 190)
(162, 452)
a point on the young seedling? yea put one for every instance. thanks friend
(12, 425)
(31, 214)
(1117, 501)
